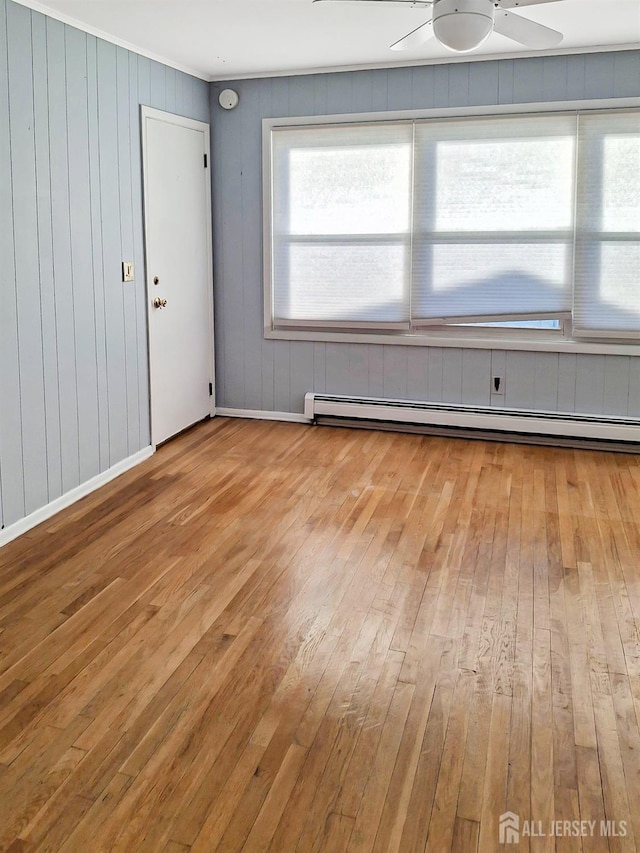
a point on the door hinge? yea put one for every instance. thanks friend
(211, 389)
(205, 161)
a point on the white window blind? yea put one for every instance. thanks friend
(607, 283)
(341, 208)
(493, 218)
(503, 219)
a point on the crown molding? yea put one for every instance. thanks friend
(414, 63)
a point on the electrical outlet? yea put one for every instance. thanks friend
(497, 385)
(127, 270)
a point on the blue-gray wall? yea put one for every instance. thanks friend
(73, 348)
(254, 373)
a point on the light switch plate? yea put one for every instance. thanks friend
(127, 270)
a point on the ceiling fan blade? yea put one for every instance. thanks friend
(513, 4)
(524, 31)
(384, 2)
(415, 38)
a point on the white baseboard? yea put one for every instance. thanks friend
(259, 415)
(45, 512)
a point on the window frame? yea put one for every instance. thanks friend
(417, 334)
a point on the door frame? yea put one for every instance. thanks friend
(192, 124)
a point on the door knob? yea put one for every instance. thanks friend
(159, 303)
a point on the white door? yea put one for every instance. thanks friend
(177, 207)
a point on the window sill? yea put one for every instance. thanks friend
(532, 342)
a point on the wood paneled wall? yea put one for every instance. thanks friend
(73, 347)
(254, 373)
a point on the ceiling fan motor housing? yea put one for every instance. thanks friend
(463, 25)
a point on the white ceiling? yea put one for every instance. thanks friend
(223, 39)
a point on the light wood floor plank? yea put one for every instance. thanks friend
(275, 637)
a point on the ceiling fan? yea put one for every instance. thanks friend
(464, 25)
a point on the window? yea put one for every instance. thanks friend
(607, 293)
(493, 219)
(342, 225)
(502, 222)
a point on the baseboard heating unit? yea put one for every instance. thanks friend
(519, 425)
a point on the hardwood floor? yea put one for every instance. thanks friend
(279, 637)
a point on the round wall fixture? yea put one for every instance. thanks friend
(228, 99)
